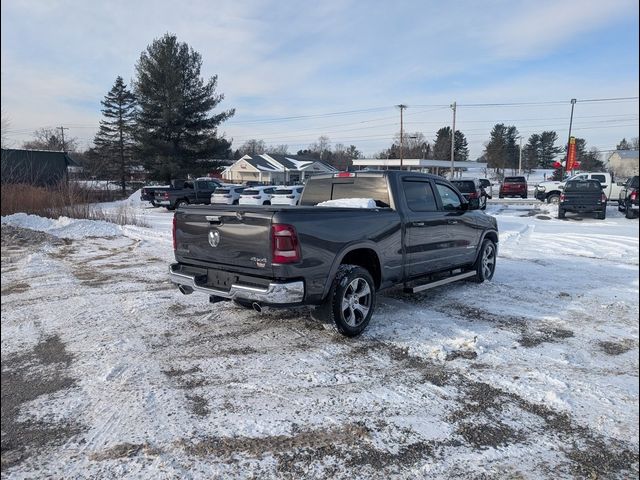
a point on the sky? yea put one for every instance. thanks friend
(296, 70)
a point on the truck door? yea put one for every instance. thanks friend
(463, 231)
(426, 238)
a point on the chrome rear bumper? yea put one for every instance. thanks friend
(273, 294)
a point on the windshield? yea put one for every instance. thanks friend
(465, 186)
(282, 191)
(514, 180)
(251, 192)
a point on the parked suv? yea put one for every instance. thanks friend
(287, 195)
(227, 194)
(513, 187)
(472, 191)
(628, 199)
(257, 196)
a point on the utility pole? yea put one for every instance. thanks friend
(64, 146)
(562, 169)
(520, 158)
(401, 107)
(453, 139)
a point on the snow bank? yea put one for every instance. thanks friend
(350, 203)
(64, 227)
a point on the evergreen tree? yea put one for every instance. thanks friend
(531, 153)
(549, 151)
(501, 151)
(442, 145)
(114, 142)
(623, 145)
(175, 124)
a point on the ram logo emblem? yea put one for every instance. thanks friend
(214, 238)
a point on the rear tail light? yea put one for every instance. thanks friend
(562, 197)
(256, 196)
(473, 195)
(603, 198)
(173, 232)
(290, 196)
(165, 195)
(634, 196)
(227, 196)
(285, 247)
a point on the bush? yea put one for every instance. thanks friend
(61, 201)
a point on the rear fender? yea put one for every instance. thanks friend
(340, 257)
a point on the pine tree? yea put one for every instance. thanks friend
(442, 145)
(548, 149)
(623, 145)
(501, 151)
(114, 142)
(175, 124)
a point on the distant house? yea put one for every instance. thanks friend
(275, 169)
(35, 167)
(623, 163)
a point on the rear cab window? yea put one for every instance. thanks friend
(419, 195)
(515, 180)
(583, 186)
(323, 189)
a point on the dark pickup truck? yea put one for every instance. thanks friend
(148, 192)
(195, 192)
(583, 196)
(335, 258)
(629, 199)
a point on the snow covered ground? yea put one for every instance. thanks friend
(108, 372)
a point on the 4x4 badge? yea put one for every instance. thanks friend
(214, 238)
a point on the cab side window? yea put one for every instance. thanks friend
(448, 196)
(419, 196)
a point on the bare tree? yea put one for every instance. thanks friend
(51, 139)
(5, 123)
(279, 149)
(252, 147)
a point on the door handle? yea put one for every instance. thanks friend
(452, 222)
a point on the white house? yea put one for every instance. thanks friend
(274, 169)
(623, 163)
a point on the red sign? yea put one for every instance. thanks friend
(571, 155)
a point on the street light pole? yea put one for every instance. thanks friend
(520, 158)
(562, 169)
(453, 139)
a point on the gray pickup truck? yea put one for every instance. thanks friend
(190, 192)
(421, 234)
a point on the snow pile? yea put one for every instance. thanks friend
(350, 203)
(64, 227)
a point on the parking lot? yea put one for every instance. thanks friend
(534, 375)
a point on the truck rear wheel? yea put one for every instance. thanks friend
(629, 213)
(561, 213)
(350, 302)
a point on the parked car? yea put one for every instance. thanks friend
(287, 195)
(257, 195)
(550, 191)
(583, 196)
(472, 191)
(486, 184)
(227, 194)
(198, 192)
(628, 198)
(148, 193)
(333, 258)
(513, 187)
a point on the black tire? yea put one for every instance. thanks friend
(500, 196)
(524, 196)
(561, 213)
(235, 202)
(352, 289)
(153, 204)
(484, 205)
(266, 203)
(485, 265)
(181, 203)
(621, 207)
(553, 198)
(601, 215)
(629, 213)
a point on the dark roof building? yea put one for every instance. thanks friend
(35, 167)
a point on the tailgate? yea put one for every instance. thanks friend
(582, 198)
(225, 237)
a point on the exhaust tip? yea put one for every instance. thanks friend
(257, 307)
(185, 290)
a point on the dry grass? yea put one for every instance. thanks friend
(61, 201)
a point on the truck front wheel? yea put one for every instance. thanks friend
(553, 198)
(350, 302)
(485, 265)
